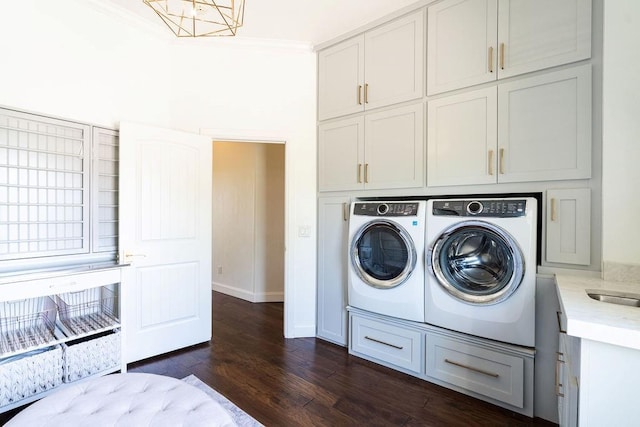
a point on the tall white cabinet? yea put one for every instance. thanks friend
(478, 41)
(333, 230)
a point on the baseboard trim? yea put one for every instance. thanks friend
(246, 295)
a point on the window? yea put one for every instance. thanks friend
(58, 192)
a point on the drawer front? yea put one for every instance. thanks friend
(487, 372)
(392, 344)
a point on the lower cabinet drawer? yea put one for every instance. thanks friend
(488, 372)
(389, 343)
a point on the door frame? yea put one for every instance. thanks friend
(271, 137)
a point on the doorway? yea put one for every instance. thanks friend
(248, 220)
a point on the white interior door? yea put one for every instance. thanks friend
(165, 234)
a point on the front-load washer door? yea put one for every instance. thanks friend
(383, 254)
(477, 262)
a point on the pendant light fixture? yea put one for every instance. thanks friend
(200, 18)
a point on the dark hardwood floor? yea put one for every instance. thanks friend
(309, 382)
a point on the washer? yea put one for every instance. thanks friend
(386, 258)
(481, 265)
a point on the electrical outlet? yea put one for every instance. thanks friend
(219, 269)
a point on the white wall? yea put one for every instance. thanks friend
(78, 60)
(248, 220)
(621, 132)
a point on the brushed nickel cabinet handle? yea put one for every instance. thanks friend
(345, 211)
(366, 93)
(366, 173)
(501, 161)
(502, 56)
(359, 173)
(558, 314)
(558, 383)
(471, 368)
(359, 94)
(553, 209)
(491, 59)
(490, 162)
(384, 343)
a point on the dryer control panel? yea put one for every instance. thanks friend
(386, 209)
(496, 208)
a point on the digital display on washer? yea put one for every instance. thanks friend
(386, 209)
(502, 208)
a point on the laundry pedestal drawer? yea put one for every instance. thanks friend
(383, 342)
(492, 371)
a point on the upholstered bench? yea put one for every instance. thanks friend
(125, 400)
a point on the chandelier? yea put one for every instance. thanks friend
(200, 18)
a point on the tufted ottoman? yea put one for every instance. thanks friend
(125, 400)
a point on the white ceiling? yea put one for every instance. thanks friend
(306, 21)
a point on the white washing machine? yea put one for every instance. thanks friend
(386, 258)
(481, 267)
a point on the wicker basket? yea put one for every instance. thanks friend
(29, 374)
(91, 356)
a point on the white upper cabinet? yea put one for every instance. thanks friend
(476, 41)
(380, 150)
(531, 129)
(381, 67)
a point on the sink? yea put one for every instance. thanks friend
(614, 297)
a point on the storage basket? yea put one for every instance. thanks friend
(29, 374)
(26, 324)
(91, 356)
(88, 310)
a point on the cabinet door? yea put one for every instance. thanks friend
(394, 148)
(544, 127)
(533, 35)
(333, 230)
(569, 226)
(461, 44)
(394, 61)
(461, 139)
(341, 79)
(340, 155)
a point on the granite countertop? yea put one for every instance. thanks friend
(596, 320)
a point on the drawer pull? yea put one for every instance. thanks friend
(63, 285)
(382, 342)
(558, 314)
(471, 368)
(559, 362)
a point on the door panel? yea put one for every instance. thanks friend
(166, 237)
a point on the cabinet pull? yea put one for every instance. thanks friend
(384, 343)
(471, 368)
(490, 162)
(491, 59)
(558, 314)
(359, 94)
(63, 285)
(366, 93)
(502, 56)
(558, 384)
(366, 173)
(345, 211)
(553, 209)
(359, 173)
(501, 160)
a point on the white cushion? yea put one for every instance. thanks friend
(125, 400)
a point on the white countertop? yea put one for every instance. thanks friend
(596, 320)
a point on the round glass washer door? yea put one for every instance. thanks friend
(383, 254)
(477, 262)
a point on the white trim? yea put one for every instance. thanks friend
(273, 137)
(246, 295)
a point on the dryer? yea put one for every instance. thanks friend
(386, 258)
(481, 267)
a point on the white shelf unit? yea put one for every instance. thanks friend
(56, 329)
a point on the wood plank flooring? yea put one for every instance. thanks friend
(309, 382)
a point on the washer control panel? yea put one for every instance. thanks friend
(386, 209)
(497, 208)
